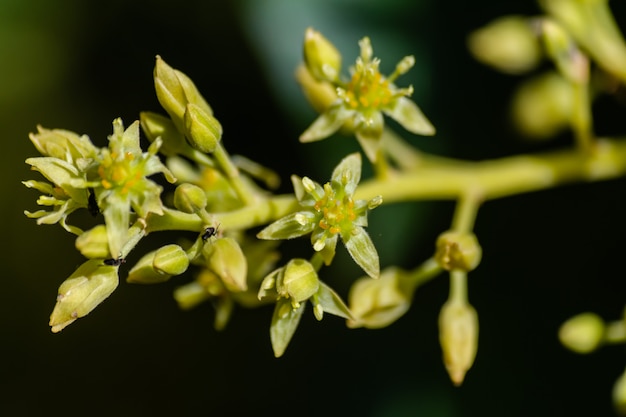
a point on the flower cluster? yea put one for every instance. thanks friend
(358, 103)
(329, 212)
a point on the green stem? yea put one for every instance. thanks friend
(231, 172)
(428, 270)
(458, 286)
(581, 117)
(502, 177)
(466, 211)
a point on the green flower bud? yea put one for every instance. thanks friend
(298, 282)
(190, 198)
(457, 250)
(226, 259)
(60, 144)
(320, 94)
(582, 333)
(321, 56)
(458, 336)
(174, 91)
(203, 131)
(94, 243)
(507, 44)
(376, 303)
(87, 287)
(144, 272)
(190, 295)
(542, 106)
(170, 260)
(619, 394)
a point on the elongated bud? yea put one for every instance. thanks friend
(321, 57)
(582, 333)
(320, 94)
(170, 260)
(507, 44)
(60, 144)
(87, 287)
(174, 91)
(299, 281)
(144, 272)
(226, 259)
(94, 243)
(457, 250)
(458, 336)
(189, 198)
(203, 131)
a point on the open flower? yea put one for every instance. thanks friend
(329, 212)
(362, 100)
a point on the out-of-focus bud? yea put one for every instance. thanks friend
(508, 44)
(321, 57)
(157, 126)
(226, 259)
(299, 281)
(170, 260)
(570, 61)
(203, 131)
(457, 250)
(189, 198)
(94, 243)
(87, 287)
(582, 333)
(377, 303)
(458, 336)
(320, 94)
(619, 395)
(542, 106)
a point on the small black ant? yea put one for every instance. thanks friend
(209, 232)
(92, 204)
(114, 262)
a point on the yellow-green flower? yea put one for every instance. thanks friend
(329, 212)
(362, 100)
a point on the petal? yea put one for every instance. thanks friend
(289, 227)
(327, 123)
(116, 216)
(348, 172)
(409, 115)
(284, 324)
(331, 302)
(369, 134)
(362, 250)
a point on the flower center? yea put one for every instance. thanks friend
(338, 213)
(368, 89)
(116, 171)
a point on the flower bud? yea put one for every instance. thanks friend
(87, 287)
(542, 106)
(94, 243)
(320, 94)
(170, 260)
(458, 336)
(377, 303)
(174, 91)
(203, 131)
(299, 281)
(582, 333)
(189, 198)
(226, 259)
(144, 272)
(321, 57)
(619, 395)
(507, 44)
(457, 250)
(58, 143)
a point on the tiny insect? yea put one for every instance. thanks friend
(92, 204)
(209, 232)
(114, 262)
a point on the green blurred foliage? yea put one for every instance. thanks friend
(78, 65)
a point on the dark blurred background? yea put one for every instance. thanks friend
(78, 65)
